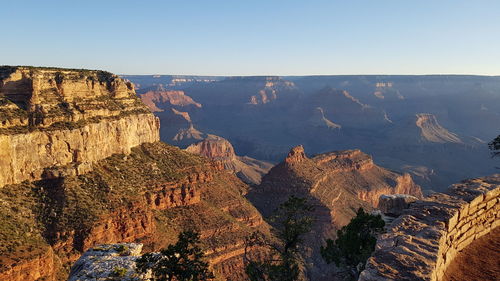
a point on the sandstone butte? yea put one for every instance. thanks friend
(82, 165)
(337, 184)
(248, 169)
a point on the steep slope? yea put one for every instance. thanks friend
(383, 125)
(432, 131)
(133, 188)
(246, 168)
(342, 107)
(66, 119)
(337, 184)
(179, 129)
(161, 99)
(319, 120)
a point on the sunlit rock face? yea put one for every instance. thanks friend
(432, 131)
(66, 120)
(424, 240)
(82, 166)
(161, 99)
(337, 184)
(111, 261)
(246, 168)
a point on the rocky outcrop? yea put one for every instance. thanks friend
(213, 147)
(335, 177)
(161, 99)
(395, 204)
(40, 266)
(337, 184)
(108, 262)
(432, 131)
(67, 120)
(149, 195)
(95, 173)
(216, 148)
(423, 241)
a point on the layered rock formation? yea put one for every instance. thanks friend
(424, 240)
(319, 120)
(337, 184)
(337, 179)
(104, 179)
(67, 120)
(264, 116)
(216, 148)
(148, 196)
(345, 109)
(159, 100)
(432, 131)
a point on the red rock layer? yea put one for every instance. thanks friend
(150, 196)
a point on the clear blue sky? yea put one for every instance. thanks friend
(239, 37)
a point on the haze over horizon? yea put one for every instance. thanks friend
(224, 38)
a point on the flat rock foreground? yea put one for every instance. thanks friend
(424, 241)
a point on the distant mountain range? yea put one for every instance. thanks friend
(433, 126)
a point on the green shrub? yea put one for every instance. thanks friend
(119, 272)
(354, 244)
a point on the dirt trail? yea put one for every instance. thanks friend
(479, 261)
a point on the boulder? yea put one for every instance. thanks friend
(395, 204)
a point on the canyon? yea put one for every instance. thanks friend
(83, 165)
(434, 127)
(246, 168)
(98, 174)
(337, 184)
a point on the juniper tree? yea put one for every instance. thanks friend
(354, 244)
(291, 221)
(182, 261)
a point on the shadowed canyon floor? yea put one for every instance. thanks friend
(480, 261)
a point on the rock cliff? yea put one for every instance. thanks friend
(247, 169)
(67, 120)
(108, 262)
(94, 173)
(337, 184)
(161, 99)
(147, 196)
(432, 131)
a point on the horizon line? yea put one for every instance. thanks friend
(260, 75)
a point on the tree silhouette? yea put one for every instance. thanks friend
(354, 244)
(494, 146)
(291, 222)
(182, 261)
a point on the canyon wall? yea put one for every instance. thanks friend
(82, 165)
(246, 168)
(337, 184)
(55, 121)
(422, 242)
